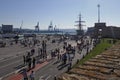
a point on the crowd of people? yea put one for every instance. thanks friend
(65, 56)
(29, 42)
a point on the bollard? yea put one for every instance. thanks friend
(55, 78)
(84, 56)
(68, 69)
(77, 61)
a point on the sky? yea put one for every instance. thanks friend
(62, 13)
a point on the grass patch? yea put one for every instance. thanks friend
(101, 47)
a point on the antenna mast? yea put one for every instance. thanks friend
(98, 13)
(20, 31)
(21, 25)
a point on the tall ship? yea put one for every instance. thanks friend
(80, 30)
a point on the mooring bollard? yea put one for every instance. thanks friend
(77, 61)
(55, 78)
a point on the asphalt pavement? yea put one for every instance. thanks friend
(13, 57)
(48, 72)
(53, 69)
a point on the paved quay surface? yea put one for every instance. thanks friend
(11, 57)
(44, 68)
(47, 70)
(54, 69)
(105, 66)
(19, 76)
(51, 69)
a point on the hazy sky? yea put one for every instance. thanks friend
(62, 13)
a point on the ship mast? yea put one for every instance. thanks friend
(80, 25)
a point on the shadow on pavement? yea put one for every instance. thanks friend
(19, 66)
(61, 66)
(56, 62)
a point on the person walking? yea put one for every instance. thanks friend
(70, 65)
(32, 51)
(39, 52)
(29, 63)
(32, 75)
(64, 58)
(24, 73)
(24, 59)
(33, 61)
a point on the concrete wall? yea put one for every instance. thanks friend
(106, 31)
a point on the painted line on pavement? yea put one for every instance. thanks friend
(48, 77)
(45, 77)
(10, 64)
(19, 54)
(1, 58)
(22, 51)
(6, 58)
(40, 78)
(14, 72)
(1, 78)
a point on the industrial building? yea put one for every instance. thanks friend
(101, 30)
(7, 28)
